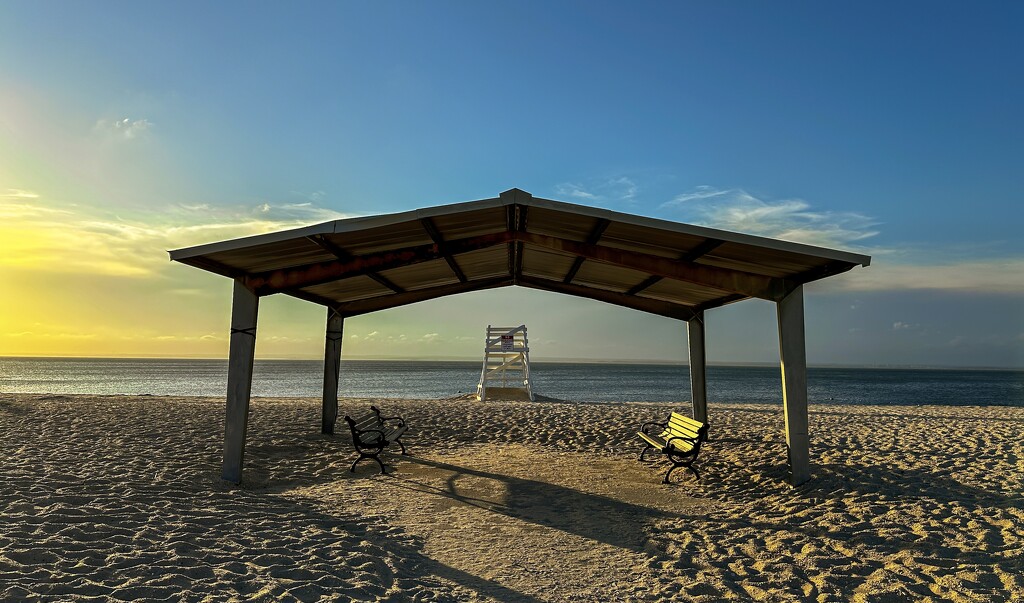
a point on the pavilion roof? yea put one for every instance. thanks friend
(365, 264)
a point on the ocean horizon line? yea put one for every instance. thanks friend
(556, 360)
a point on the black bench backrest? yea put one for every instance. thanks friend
(368, 420)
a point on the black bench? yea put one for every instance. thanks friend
(679, 439)
(372, 433)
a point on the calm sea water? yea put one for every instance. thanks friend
(565, 381)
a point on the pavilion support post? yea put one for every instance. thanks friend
(698, 367)
(332, 369)
(793, 354)
(244, 306)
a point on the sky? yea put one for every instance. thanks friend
(894, 130)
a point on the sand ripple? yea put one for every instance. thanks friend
(118, 498)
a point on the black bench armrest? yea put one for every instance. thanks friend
(644, 427)
(401, 421)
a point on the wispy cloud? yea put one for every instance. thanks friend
(45, 237)
(125, 127)
(17, 193)
(574, 191)
(267, 212)
(379, 338)
(893, 268)
(315, 196)
(285, 339)
(620, 190)
(18, 204)
(789, 219)
(627, 189)
(42, 334)
(305, 212)
(178, 338)
(701, 193)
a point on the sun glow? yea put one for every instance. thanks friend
(79, 281)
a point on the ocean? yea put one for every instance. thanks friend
(604, 382)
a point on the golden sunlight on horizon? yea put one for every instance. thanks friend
(86, 282)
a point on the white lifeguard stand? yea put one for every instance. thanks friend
(506, 370)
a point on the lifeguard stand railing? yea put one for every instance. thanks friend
(506, 370)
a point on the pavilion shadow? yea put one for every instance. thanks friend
(593, 516)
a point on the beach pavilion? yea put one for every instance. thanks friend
(359, 265)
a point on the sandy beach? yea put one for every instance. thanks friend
(119, 498)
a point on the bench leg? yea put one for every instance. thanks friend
(368, 456)
(675, 466)
(671, 469)
(399, 442)
(644, 451)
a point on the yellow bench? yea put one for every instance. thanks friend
(679, 439)
(372, 433)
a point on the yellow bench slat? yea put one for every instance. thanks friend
(684, 422)
(652, 440)
(661, 441)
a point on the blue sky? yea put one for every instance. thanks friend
(894, 130)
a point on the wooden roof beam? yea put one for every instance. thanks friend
(298, 277)
(517, 262)
(312, 297)
(345, 256)
(706, 247)
(515, 221)
(717, 303)
(701, 250)
(435, 236)
(729, 281)
(643, 304)
(592, 239)
(830, 269)
(647, 282)
(214, 266)
(384, 302)
(510, 249)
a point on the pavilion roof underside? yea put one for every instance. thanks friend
(361, 265)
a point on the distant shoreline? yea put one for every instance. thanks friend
(535, 361)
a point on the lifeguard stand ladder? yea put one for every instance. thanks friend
(506, 367)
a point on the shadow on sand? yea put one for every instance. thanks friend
(592, 516)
